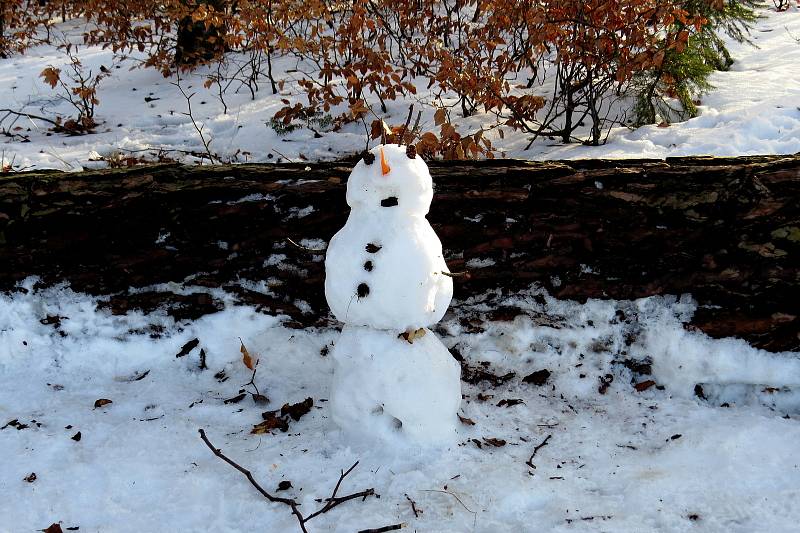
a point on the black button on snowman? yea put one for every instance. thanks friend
(386, 279)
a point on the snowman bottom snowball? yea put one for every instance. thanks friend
(387, 388)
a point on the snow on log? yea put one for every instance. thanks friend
(726, 230)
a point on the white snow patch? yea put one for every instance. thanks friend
(296, 212)
(317, 245)
(275, 259)
(615, 456)
(255, 197)
(479, 262)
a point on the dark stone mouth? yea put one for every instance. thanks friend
(372, 248)
(389, 202)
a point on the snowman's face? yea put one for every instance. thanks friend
(390, 179)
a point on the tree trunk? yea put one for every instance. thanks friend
(726, 230)
(197, 43)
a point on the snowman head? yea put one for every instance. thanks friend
(389, 177)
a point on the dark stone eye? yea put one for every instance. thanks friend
(363, 290)
(368, 157)
(368, 266)
(411, 151)
(389, 202)
(372, 248)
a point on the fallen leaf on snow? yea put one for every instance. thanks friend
(539, 377)
(466, 421)
(188, 347)
(509, 402)
(101, 402)
(297, 410)
(15, 424)
(271, 421)
(140, 377)
(236, 399)
(644, 385)
(279, 419)
(259, 398)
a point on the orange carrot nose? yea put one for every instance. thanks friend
(385, 168)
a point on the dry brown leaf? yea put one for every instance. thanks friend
(247, 359)
(297, 410)
(376, 129)
(101, 402)
(539, 377)
(440, 117)
(271, 421)
(51, 76)
(466, 421)
(644, 385)
(412, 335)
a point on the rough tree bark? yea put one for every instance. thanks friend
(726, 230)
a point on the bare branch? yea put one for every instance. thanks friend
(206, 143)
(383, 529)
(330, 502)
(529, 462)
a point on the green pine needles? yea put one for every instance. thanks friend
(669, 93)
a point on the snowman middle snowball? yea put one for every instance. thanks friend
(385, 268)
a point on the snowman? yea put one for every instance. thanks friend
(386, 279)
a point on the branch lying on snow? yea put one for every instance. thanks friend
(529, 462)
(31, 116)
(413, 506)
(383, 529)
(330, 502)
(314, 250)
(474, 513)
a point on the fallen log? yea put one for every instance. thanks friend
(726, 230)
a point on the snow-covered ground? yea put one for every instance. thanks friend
(753, 110)
(659, 459)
